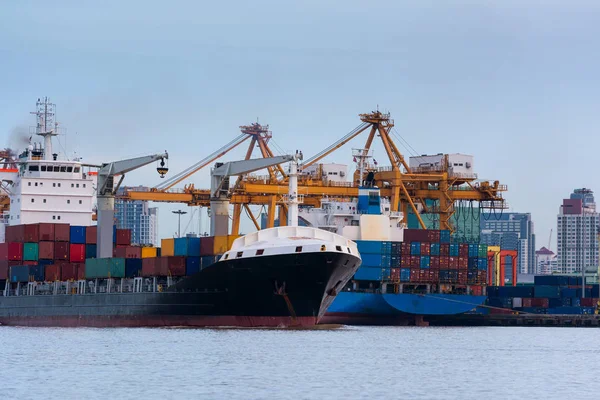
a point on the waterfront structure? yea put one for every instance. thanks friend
(140, 218)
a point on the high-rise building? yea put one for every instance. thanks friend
(140, 218)
(546, 262)
(512, 231)
(577, 225)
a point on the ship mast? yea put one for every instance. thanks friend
(292, 197)
(46, 126)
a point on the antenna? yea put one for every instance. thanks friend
(46, 126)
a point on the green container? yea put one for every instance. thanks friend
(104, 268)
(30, 251)
(483, 249)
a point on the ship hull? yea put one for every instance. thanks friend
(271, 291)
(356, 308)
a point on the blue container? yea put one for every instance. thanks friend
(568, 292)
(575, 301)
(454, 250)
(575, 280)
(395, 261)
(482, 264)
(595, 291)
(90, 250)
(533, 310)
(501, 302)
(207, 261)
(114, 234)
(492, 291)
(37, 272)
(543, 291)
(444, 236)
(374, 247)
(375, 260)
(473, 262)
(435, 249)
(187, 247)
(588, 310)
(192, 265)
(559, 302)
(19, 273)
(415, 248)
(405, 275)
(515, 291)
(551, 280)
(588, 293)
(77, 234)
(473, 250)
(368, 274)
(565, 310)
(425, 262)
(45, 262)
(386, 274)
(133, 267)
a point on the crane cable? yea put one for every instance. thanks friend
(336, 144)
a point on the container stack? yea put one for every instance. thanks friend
(550, 294)
(425, 256)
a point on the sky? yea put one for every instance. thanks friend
(514, 83)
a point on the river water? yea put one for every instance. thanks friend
(348, 363)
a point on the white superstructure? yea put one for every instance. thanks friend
(46, 187)
(459, 165)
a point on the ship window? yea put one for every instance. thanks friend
(32, 200)
(59, 217)
(68, 201)
(226, 256)
(34, 167)
(84, 185)
(69, 169)
(338, 248)
(77, 185)
(56, 168)
(44, 200)
(72, 185)
(28, 183)
(36, 184)
(80, 202)
(349, 250)
(299, 249)
(63, 169)
(259, 252)
(41, 183)
(239, 254)
(43, 168)
(59, 185)
(54, 217)
(53, 184)
(76, 169)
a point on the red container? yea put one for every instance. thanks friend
(77, 253)
(415, 274)
(133, 252)
(15, 233)
(46, 250)
(62, 232)
(453, 263)
(482, 277)
(445, 249)
(405, 261)
(434, 262)
(46, 232)
(151, 266)
(462, 278)
(477, 290)
(416, 235)
(3, 269)
(12, 263)
(29, 263)
(415, 261)
(207, 245)
(463, 262)
(68, 271)
(444, 262)
(32, 233)
(542, 303)
(174, 265)
(91, 233)
(395, 274)
(123, 237)
(120, 251)
(526, 302)
(61, 251)
(15, 251)
(434, 276)
(405, 248)
(425, 249)
(463, 250)
(3, 251)
(53, 273)
(433, 235)
(585, 302)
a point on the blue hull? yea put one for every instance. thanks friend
(386, 309)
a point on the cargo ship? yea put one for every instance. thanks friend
(50, 276)
(407, 275)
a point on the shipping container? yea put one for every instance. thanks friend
(187, 247)
(174, 265)
(547, 291)
(589, 302)
(220, 245)
(19, 273)
(434, 249)
(148, 252)
(77, 253)
(30, 251)
(483, 250)
(416, 235)
(444, 236)
(29, 262)
(425, 249)
(405, 248)
(482, 264)
(133, 267)
(192, 265)
(376, 260)
(15, 251)
(46, 250)
(77, 234)
(123, 237)
(3, 251)
(415, 248)
(104, 268)
(433, 235)
(551, 280)
(32, 233)
(540, 302)
(425, 262)
(36, 273)
(395, 274)
(91, 234)
(3, 269)
(207, 261)
(434, 262)
(404, 274)
(230, 240)
(463, 250)
(62, 232)
(45, 232)
(53, 272)
(473, 250)
(395, 261)
(151, 267)
(454, 250)
(575, 280)
(61, 251)
(368, 274)
(168, 247)
(15, 233)
(91, 251)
